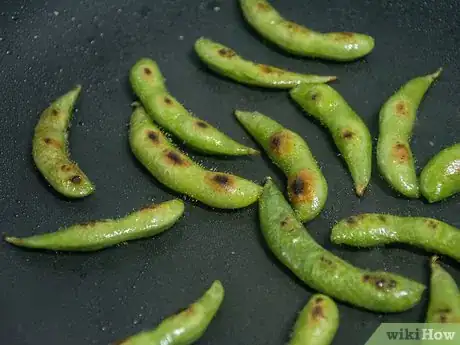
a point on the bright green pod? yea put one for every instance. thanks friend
(444, 305)
(317, 323)
(187, 326)
(177, 171)
(397, 117)
(96, 235)
(291, 243)
(50, 149)
(440, 178)
(299, 40)
(307, 187)
(227, 62)
(369, 230)
(148, 84)
(348, 130)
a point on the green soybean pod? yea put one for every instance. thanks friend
(307, 187)
(323, 271)
(96, 235)
(50, 149)
(397, 117)
(368, 230)
(348, 130)
(444, 305)
(187, 326)
(178, 172)
(227, 62)
(440, 178)
(317, 323)
(299, 40)
(148, 83)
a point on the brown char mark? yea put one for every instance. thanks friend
(281, 143)
(202, 124)
(301, 187)
(153, 136)
(431, 223)
(263, 6)
(147, 71)
(221, 182)
(347, 134)
(175, 158)
(168, 100)
(401, 108)
(52, 142)
(76, 179)
(226, 53)
(379, 282)
(401, 152)
(317, 312)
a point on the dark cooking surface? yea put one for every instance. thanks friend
(74, 299)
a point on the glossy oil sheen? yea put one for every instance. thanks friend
(348, 130)
(101, 234)
(178, 172)
(148, 84)
(368, 230)
(397, 117)
(299, 40)
(186, 327)
(50, 149)
(306, 185)
(291, 243)
(317, 323)
(228, 63)
(440, 178)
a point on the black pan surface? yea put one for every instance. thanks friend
(46, 47)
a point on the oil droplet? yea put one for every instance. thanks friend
(103, 328)
(56, 13)
(216, 9)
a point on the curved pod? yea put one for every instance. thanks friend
(227, 62)
(50, 149)
(307, 187)
(440, 178)
(323, 271)
(177, 171)
(148, 83)
(186, 327)
(348, 130)
(96, 235)
(397, 117)
(368, 230)
(299, 40)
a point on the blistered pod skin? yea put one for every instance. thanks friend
(369, 230)
(177, 171)
(323, 271)
(186, 327)
(227, 62)
(299, 40)
(397, 117)
(50, 149)
(148, 83)
(96, 235)
(440, 178)
(348, 130)
(444, 305)
(317, 323)
(307, 187)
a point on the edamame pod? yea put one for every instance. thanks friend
(227, 62)
(185, 327)
(307, 187)
(441, 176)
(368, 230)
(299, 40)
(348, 130)
(96, 235)
(317, 323)
(50, 149)
(148, 83)
(444, 306)
(397, 117)
(323, 271)
(177, 171)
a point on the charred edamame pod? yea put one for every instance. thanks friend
(299, 40)
(227, 62)
(148, 83)
(348, 130)
(50, 149)
(307, 187)
(177, 171)
(322, 270)
(397, 117)
(101, 234)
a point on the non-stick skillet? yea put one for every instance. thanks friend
(48, 46)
